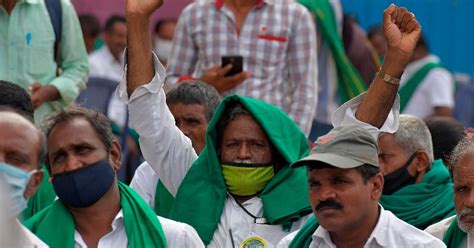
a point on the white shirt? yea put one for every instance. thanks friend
(439, 230)
(177, 235)
(26, 239)
(102, 64)
(144, 183)
(170, 154)
(436, 89)
(390, 231)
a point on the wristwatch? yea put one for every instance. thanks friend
(389, 79)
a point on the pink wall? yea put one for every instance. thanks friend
(104, 8)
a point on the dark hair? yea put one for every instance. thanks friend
(195, 92)
(16, 97)
(109, 24)
(42, 145)
(446, 133)
(422, 43)
(232, 112)
(89, 24)
(98, 121)
(367, 171)
(162, 22)
(375, 30)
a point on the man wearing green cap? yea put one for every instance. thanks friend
(345, 186)
(412, 175)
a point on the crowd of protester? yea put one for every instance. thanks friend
(317, 134)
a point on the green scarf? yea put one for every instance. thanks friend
(426, 202)
(55, 224)
(408, 89)
(201, 197)
(304, 236)
(163, 200)
(43, 197)
(454, 236)
(350, 83)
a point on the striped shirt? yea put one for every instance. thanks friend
(278, 44)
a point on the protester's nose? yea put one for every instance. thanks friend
(469, 200)
(244, 152)
(72, 164)
(326, 193)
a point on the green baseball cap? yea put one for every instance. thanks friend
(343, 147)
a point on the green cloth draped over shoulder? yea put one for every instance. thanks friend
(350, 83)
(43, 197)
(163, 200)
(426, 202)
(201, 197)
(407, 90)
(55, 224)
(454, 235)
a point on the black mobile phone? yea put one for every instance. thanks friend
(237, 62)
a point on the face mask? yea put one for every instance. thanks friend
(85, 186)
(16, 180)
(163, 48)
(244, 179)
(398, 178)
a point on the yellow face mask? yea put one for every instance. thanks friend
(246, 180)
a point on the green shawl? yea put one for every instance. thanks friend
(163, 200)
(350, 83)
(55, 225)
(304, 236)
(43, 197)
(454, 236)
(426, 202)
(406, 91)
(201, 197)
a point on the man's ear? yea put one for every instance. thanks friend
(33, 184)
(115, 155)
(376, 183)
(422, 161)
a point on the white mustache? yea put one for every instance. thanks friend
(465, 212)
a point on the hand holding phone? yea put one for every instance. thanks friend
(236, 61)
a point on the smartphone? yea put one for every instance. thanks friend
(237, 62)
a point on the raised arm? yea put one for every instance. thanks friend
(402, 31)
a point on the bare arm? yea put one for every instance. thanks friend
(401, 32)
(140, 69)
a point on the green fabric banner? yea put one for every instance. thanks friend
(43, 197)
(407, 90)
(350, 83)
(424, 203)
(55, 224)
(201, 197)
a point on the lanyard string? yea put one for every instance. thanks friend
(257, 220)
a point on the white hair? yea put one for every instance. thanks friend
(413, 135)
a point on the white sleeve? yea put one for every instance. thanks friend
(179, 234)
(166, 149)
(345, 115)
(144, 183)
(441, 88)
(285, 241)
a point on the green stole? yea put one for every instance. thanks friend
(163, 200)
(43, 197)
(426, 202)
(350, 83)
(55, 224)
(201, 196)
(454, 236)
(408, 89)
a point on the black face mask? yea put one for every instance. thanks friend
(399, 178)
